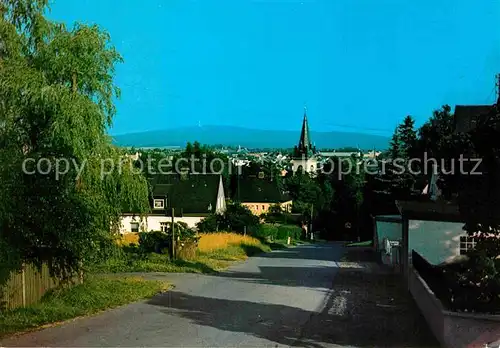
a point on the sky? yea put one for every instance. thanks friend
(358, 65)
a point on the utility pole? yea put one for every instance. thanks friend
(173, 235)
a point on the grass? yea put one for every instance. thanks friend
(216, 252)
(94, 295)
(366, 243)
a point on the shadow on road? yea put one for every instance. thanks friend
(320, 252)
(342, 322)
(310, 277)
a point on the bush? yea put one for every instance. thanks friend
(285, 231)
(210, 224)
(266, 231)
(154, 242)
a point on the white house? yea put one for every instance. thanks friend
(192, 197)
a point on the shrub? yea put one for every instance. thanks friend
(154, 241)
(210, 224)
(266, 231)
(285, 231)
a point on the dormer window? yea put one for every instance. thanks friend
(159, 203)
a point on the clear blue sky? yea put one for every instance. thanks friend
(253, 63)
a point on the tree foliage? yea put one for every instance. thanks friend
(57, 93)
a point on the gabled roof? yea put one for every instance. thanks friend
(190, 194)
(467, 116)
(255, 190)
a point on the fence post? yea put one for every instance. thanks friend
(23, 281)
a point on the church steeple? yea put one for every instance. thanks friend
(305, 147)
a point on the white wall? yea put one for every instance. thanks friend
(390, 230)
(152, 223)
(436, 241)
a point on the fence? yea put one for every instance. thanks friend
(28, 286)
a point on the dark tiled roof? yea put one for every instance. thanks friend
(467, 116)
(191, 194)
(255, 190)
(431, 211)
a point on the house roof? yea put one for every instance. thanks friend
(430, 211)
(190, 194)
(466, 116)
(255, 190)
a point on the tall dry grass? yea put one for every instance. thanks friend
(128, 238)
(214, 241)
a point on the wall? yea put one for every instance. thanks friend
(262, 208)
(257, 208)
(453, 329)
(436, 241)
(152, 223)
(386, 229)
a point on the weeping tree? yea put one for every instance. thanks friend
(64, 186)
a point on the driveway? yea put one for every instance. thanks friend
(276, 299)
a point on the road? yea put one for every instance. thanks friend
(283, 298)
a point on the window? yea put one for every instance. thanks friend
(466, 244)
(134, 226)
(159, 204)
(164, 226)
(263, 208)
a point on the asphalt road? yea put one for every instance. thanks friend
(267, 301)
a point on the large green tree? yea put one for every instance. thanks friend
(56, 103)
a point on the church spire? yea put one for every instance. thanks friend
(305, 147)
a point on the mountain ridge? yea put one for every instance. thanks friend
(247, 137)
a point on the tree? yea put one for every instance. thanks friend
(438, 142)
(57, 97)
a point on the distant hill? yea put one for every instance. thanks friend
(251, 138)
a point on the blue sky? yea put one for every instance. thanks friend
(359, 65)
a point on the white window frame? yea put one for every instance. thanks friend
(162, 201)
(467, 243)
(134, 223)
(163, 226)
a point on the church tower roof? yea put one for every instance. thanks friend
(305, 147)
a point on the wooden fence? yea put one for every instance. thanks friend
(28, 286)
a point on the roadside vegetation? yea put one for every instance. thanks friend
(94, 295)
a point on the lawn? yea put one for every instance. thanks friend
(96, 294)
(215, 252)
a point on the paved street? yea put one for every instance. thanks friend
(277, 299)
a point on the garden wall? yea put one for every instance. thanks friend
(452, 329)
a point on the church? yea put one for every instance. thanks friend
(304, 155)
